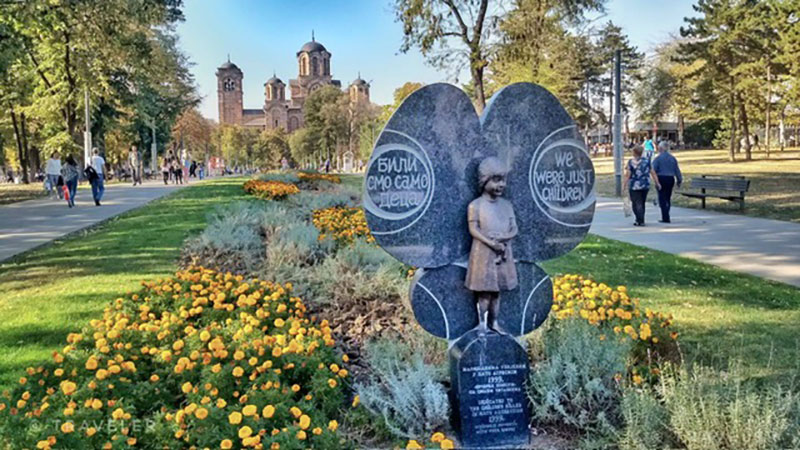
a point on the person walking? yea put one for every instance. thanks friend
(638, 173)
(53, 173)
(667, 172)
(649, 148)
(165, 168)
(177, 171)
(98, 166)
(135, 165)
(69, 171)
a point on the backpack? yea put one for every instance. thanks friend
(90, 173)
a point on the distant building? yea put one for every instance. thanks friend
(314, 71)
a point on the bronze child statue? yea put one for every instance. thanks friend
(492, 225)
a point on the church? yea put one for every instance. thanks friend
(313, 72)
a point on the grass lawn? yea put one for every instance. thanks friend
(719, 314)
(774, 188)
(49, 292)
(52, 291)
(12, 193)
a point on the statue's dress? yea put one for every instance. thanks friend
(488, 271)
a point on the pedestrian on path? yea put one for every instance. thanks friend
(135, 165)
(177, 171)
(53, 172)
(667, 171)
(70, 174)
(165, 168)
(98, 165)
(638, 173)
(649, 148)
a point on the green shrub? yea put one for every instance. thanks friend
(404, 390)
(575, 388)
(284, 177)
(357, 273)
(307, 202)
(646, 422)
(232, 241)
(720, 410)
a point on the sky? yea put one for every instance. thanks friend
(263, 36)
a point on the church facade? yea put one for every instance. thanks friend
(313, 72)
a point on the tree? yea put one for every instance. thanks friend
(451, 34)
(270, 148)
(194, 132)
(652, 97)
(325, 119)
(302, 146)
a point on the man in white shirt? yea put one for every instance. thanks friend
(53, 171)
(98, 164)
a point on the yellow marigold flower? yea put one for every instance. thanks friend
(221, 403)
(118, 414)
(204, 336)
(268, 411)
(186, 387)
(238, 371)
(249, 410)
(437, 437)
(446, 444)
(333, 425)
(245, 431)
(235, 418)
(67, 427)
(238, 355)
(97, 403)
(296, 412)
(413, 445)
(154, 377)
(101, 374)
(279, 323)
(91, 363)
(301, 435)
(226, 444)
(91, 431)
(305, 421)
(331, 382)
(68, 387)
(201, 413)
(637, 379)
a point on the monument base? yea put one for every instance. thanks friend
(490, 406)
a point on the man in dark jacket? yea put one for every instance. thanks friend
(667, 170)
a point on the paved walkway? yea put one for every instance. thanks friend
(766, 248)
(29, 224)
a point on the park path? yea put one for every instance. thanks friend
(29, 224)
(761, 247)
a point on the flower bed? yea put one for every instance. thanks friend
(270, 190)
(342, 224)
(202, 359)
(602, 305)
(314, 176)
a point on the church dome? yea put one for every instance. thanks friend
(312, 46)
(274, 80)
(359, 82)
(229, 65)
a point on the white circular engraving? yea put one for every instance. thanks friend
(398, 182)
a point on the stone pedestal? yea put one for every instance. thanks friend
(490, 407)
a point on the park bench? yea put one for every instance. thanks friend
(731, 188)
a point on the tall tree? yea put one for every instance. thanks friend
(452, 34)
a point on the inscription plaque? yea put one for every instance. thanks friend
(489, 372)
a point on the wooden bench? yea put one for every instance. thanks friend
(727, 187)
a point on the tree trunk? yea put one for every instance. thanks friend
(477, 84)
(655, 133)
(769, 106)
(22, 155)
(681, 128)
(745, 130)
(732, 113)
(782, 129)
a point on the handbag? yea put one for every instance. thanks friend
(90, 173)
(627, 207)
(66, 193)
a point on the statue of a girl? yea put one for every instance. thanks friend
(492, 225)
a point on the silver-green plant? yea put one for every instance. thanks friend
(711, 410)
(646, 422)
(232, 241)
(403, 389)
(575, 388)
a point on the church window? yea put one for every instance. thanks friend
(327, 66)
(314, 68)
(293, 124)
(228, 85)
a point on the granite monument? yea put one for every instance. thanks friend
(474, 203)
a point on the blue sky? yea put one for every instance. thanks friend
(263, 36)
